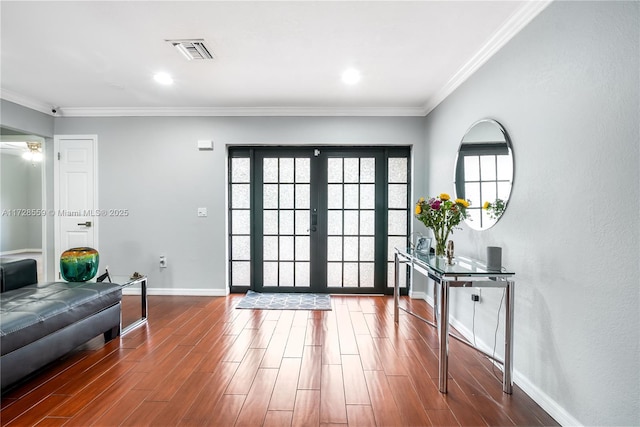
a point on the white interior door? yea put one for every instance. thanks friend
(76, 193)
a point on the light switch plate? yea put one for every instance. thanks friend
(202, 211)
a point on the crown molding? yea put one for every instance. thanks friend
(25, 101)
(240, 111)
(209, 111)
(514, 24)
(501, 37)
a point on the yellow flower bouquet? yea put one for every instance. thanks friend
(495, 209)
(441, 214)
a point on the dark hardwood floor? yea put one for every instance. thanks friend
(199, 361)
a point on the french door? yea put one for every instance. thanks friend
(315, 219)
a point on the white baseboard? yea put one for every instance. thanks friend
(552, 407)
(20, 251)
(417, 295)
(548, 404)
(179, 292)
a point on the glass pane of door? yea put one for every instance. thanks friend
(284, 192)
(398, 193)
(351, 219)
(240, 221)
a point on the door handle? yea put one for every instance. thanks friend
(86, 224)
(314, 220)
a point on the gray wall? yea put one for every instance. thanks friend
(34, 194)
(20, 188)
(25, 120)
(31, 122)
(567, 90)
(151, 166)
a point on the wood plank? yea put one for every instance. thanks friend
(442, 417)
(179, 404)
(166, 390)
(427, 389)
(284, 322)
(346, 335)
(408, 401)
(311, 368)
(275, 351)
(144, 413)
(226, 411)
(154, 342)
(330, 340)
(121, 410)
(361, 415)
(284, 393)
(52, 422)
(164, 367)
(384, 407)
(359, 324)
(306, 412)
(201, 410)
(368, 353)
(103, 401)
(315, 331)
(262, 338)
(209, 341)
(278, 419)
(237, 323)
(376, 328)
(462, 409)
(214, 355)
(332, 404)
(95, 385)
(243, 378)
(254, 409)
(295, 342)
(38, 412)
(240, 345)
(355, 386)
(391, 362)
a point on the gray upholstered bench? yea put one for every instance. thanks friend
(41, 323)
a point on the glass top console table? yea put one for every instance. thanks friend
(465, 272)
(137, 284)
(133, 283)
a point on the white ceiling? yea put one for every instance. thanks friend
(92, 58)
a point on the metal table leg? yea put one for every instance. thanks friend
(443, 335)
(143, 309)
(507, 377)
(396, 289)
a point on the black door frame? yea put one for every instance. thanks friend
(318, 190)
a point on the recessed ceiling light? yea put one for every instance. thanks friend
(351, 76)
(163, 78)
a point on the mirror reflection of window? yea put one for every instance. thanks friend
(484, 172)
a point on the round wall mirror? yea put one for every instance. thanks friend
(484, 172)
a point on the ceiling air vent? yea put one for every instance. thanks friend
(192, 49)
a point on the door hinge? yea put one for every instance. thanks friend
(58, 155)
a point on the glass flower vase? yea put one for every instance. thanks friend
(441, 247)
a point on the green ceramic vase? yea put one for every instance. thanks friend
(79, 264)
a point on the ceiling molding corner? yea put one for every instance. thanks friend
(242, 111)
(25, 101)
(501, 37)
